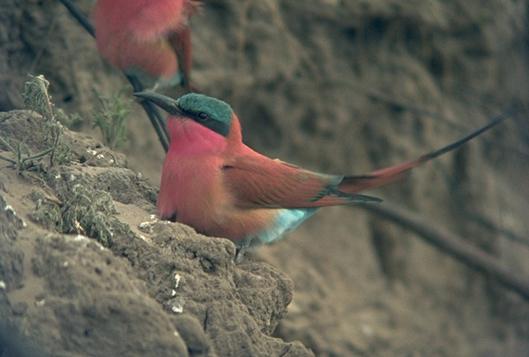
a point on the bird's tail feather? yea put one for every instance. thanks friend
(357, 183)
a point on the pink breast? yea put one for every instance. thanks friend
(192, 188)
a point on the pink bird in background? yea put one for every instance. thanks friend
(149, 36)
(215, 183)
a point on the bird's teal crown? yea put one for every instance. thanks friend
(208, 111)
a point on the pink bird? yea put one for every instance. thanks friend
(215, 183)
(151, 36)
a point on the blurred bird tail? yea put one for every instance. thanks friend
(181, 43)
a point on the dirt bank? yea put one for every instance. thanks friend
(121, 282)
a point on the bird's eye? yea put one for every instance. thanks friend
(203, 116)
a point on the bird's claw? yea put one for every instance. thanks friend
(239, 255)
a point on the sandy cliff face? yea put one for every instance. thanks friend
(340, 86)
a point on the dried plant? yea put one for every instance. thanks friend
(111, 119)
(37, 98)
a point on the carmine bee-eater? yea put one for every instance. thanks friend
(215, 183)
(150, 36)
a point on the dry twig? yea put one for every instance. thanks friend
(452, 245)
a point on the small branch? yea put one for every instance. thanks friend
(55, 145)
(428, 113)
(11, 161)
(79, 16)
(452, 245)
(38, 155)
(19, 156)
(6, 144)
(157, 123)
(20, 161)
(154, 116)
(451, 123)
(488, 224)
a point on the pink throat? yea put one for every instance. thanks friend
(190, 138)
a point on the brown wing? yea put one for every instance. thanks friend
(257, 181)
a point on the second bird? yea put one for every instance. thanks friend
(150, 36)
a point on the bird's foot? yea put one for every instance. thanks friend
(243, 247)
(162, 83)
(178, 80)
(239, 254)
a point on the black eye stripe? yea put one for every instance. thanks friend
(187, 112)
(201, 116)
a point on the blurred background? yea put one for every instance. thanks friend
(346, 87)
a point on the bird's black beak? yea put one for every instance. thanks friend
(168, 104)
